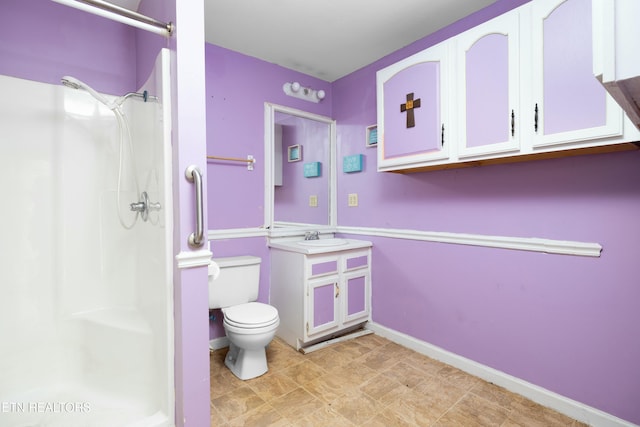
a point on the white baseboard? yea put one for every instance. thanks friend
(564, 405)
(218, 343)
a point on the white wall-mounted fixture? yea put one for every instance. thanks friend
(298, 91)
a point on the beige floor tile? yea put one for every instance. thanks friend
(272, 385)
(264, 415)
(414, 408)
(495, 394)
(424, 363)
(527, 413)
(369, 381)
(387, 418)
(379, 359)
(352, 349)
(372, 341)
(356, 407)
(237, 402)
(304, 372)
(459, 378)
(405, 374)
(384, 389)
(296, 404)
(324, 417)
(216, 417)
(328, 387)
(329, 358)
(355, 373)
(473, 410)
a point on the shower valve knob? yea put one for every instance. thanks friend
(144, 206)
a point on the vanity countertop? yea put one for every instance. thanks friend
(320, 246)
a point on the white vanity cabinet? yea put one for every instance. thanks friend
(320, 292)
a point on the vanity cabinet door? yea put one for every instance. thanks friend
(569, 104)
(413, 117)
(322, 308)
(488, 87)
(355, 307)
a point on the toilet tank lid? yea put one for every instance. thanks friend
(237, 261)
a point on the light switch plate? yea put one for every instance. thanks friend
(313, 201)
(353, 199)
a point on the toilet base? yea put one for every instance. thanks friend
(246, 364)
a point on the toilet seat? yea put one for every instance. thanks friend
(252, 315)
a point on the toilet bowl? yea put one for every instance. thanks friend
(250, 328)
(249, 325)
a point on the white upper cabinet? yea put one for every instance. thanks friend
(488, 64)
(518, 87)
(569, 106)
(414, 99)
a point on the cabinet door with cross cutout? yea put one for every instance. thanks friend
(413, 117)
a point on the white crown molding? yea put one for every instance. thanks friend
(191, 259)
(562, 404)
(563, 247)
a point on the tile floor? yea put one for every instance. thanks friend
(368, 381)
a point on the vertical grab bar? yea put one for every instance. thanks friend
(194, 175)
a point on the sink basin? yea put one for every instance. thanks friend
(323, 242)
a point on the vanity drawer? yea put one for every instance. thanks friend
(323, 267)
(359, 260)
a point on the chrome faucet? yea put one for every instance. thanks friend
(312, 235)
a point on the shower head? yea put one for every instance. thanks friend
(73, 83)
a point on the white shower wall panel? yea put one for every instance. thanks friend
(86, 307)
(30, 261)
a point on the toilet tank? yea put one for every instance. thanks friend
(237, 283)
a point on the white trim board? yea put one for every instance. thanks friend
(564, 405)
(191, 259)
(218, 343)
(562, 247)
(532, 244)
(236, 233)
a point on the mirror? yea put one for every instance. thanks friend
(300, 150)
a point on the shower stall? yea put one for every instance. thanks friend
(86, 296)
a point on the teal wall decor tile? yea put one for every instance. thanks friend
(312, 170)
(352, 163)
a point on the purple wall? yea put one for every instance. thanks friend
(43, 41)
(565, 323)
(237, 88)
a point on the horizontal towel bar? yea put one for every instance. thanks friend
(250, 161)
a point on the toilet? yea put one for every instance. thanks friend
(249, 325)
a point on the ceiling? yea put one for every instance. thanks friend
(327, 39)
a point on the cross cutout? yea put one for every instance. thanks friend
(408, 107)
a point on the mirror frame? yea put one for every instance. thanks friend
(282, 229)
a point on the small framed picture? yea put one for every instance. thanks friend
(372, 136)
(295, 153)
